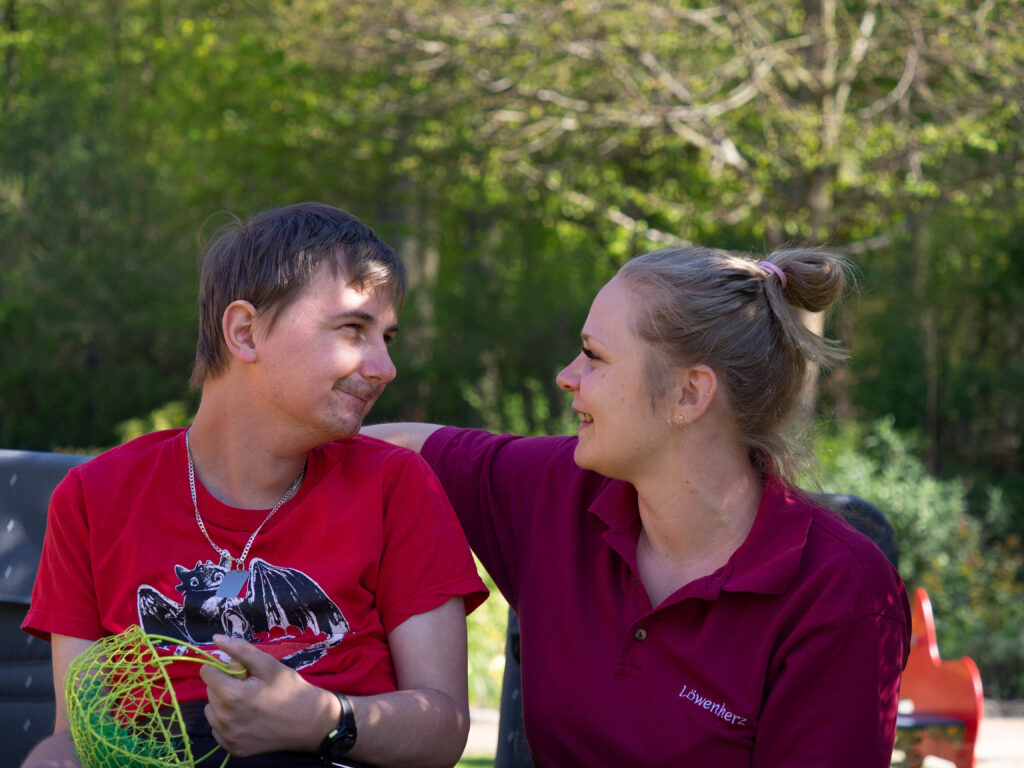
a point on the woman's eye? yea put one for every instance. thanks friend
(590, 353)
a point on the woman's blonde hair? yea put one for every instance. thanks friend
(702, 305)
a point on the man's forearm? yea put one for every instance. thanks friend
(416, 727)
(273, 708)
(55, 751)
(421, 727)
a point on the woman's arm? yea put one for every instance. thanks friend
(835, 702)
(409, 435)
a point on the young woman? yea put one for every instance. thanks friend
(680, 601)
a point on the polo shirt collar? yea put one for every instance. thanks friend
(765, 562)
(616, 506)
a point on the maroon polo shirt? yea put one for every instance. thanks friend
(788, 655)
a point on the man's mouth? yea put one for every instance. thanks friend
(367, 394)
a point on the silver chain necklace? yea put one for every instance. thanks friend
(226, 560)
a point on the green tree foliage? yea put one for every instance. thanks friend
(93, 309)
(949, 366)
(973, 581)
(630, 125)
(516, 154)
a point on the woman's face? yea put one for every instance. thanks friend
(619, 430)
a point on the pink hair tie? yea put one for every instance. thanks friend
(767, 266)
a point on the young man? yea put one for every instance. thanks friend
(328, 564)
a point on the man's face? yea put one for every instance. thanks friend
(325, 361)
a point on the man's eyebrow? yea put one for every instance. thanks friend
(364, 317)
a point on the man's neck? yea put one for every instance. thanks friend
(240, 459)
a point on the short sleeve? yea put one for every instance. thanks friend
(834, 702)
(64, 595)
(498, 485)
(425, 559)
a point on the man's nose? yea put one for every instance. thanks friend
(378, 365)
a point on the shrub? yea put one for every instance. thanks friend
(972, 577)
(486, 628)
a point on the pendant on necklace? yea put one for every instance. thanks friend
(232, 583)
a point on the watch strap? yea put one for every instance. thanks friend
(343, 737)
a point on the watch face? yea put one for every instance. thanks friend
(337, 744)
(339, 741)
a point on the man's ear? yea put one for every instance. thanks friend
(695, 389)
(237, 327)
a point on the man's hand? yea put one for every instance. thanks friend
(421, 725)
(272, 708)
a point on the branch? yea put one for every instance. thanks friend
(875, 243)
(857, 53)
(610, 213)
(899, 90)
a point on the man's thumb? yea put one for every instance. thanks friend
(247, 656)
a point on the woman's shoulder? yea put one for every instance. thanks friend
(840, 556)
(503, 452)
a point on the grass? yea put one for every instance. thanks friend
(476, 762)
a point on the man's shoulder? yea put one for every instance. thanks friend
(145, 448)
(119, 472)
(364, 453)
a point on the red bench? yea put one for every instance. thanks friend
(946, 696)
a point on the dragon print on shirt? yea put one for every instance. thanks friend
(282, 610)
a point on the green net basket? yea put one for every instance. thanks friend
(121, 706)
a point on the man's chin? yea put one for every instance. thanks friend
(341, 429)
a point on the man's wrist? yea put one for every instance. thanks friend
(340, 740)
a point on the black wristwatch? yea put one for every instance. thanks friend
(338, 742)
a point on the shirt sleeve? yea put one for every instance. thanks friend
(64, 594)
(495, 483)
(425, 559)
(834, 701)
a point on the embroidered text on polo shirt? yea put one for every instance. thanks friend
(717, 709)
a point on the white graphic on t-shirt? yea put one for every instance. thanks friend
(282, 609)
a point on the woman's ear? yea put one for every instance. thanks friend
(695, 389)
(237, 327)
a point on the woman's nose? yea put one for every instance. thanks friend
(568, 379)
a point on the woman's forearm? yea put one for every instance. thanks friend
(411, 435)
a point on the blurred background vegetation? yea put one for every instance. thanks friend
(515, 154)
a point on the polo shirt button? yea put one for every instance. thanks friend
(640, 634)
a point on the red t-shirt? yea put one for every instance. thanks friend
(368, 541)
(790, 654)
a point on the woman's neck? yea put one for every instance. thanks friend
(694, 519)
